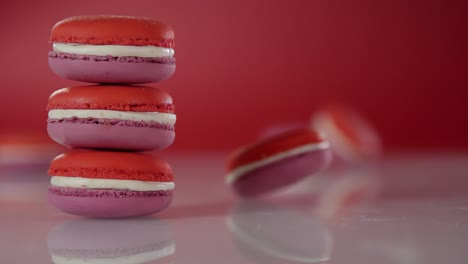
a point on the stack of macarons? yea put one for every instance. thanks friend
(109, 123)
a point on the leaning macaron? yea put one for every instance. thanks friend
(111, 117)
(105, 184)
(277, 161)
(352, 137)
(112, 49)
(118, 242)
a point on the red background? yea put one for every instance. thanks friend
(243, 65)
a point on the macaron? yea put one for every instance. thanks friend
(265, 233)
(276, 162)
(112, 49)
(106, 184)
(134, 118)
(351, 135)
(99, 241)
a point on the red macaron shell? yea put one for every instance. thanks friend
(110, 97)
(113, 30)
(111, 165)
(272, 146)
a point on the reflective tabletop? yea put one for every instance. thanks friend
(410, 208)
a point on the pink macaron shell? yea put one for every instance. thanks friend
(100, 136)
(282, 173)
(108, 203)
(111, 71)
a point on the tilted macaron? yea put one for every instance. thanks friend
(118, 242)
(111, 117)
(107, 184)
(112, 49)
(277, 161)
(352, 137)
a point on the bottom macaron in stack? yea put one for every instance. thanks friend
(105, 184)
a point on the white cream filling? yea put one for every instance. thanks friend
(131, 185)
(114, 50)
(144, 257)
(237, 173)
(164, 118)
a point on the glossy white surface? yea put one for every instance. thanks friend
(410, 209)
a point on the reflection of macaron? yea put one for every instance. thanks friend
(112, 49)
(349, 133)
(355, 189)
(112, 117)
(110, 184)
(268, 234)
(99, 242)
(277, 161)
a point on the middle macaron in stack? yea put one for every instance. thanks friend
(114, 119)
(136, 118)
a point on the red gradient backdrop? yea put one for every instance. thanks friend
(243, 65)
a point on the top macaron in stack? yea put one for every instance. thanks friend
(112, 49)
(116, 52)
